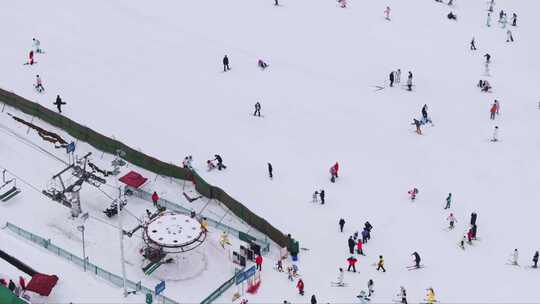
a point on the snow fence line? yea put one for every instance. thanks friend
(243, 236)
(111, 146)
(94, 269)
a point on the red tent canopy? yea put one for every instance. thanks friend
(42, 284)
(133, 179)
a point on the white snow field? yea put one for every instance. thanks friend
(150, 74)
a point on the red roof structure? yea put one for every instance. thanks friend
(133, 179)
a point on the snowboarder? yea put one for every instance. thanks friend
(448, 201)
(431, 296)
(59, 103)
(535, 260)
(370, 288)
(155, 198)
(416, 259)
(351, 244)
(226, 64)
(398, 76)
(403, 295)
(39, 85)
(341, 224)
(352, 263)
(270, 170)
(509, 37)
(359, 247)
(36, 44)
(263, 65)
(495, 134)
(258, 262)
(387, 13)
(31, 57)
(313, 299)
(488, 20)
(417, 124)
(300, 286)
(409, 81)
(380, 264)
(219, 160)
(341, 276)
(451, 219)
(515, 257)
(321, 195)
(492, 111)
(334, 172)
(315, 197)
(488, 58)
(514, 19)
(473, 45)
(473, 218)
(413, 192)
(257, 109)
(391, 77)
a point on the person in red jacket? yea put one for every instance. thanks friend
(334, 172)
(31, 58)
(155, 198)
(22, 283)
(258, 261)
(300, 286)
(359, 247)
(352, 263)
(493, 111)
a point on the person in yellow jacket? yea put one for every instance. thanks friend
(204, 224)
(431, 296)
(380, 264)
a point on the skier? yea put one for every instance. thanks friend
(59, 103)
(370, 288)
(36, 44)
(352, 263)
(341, 224)
(359, 247)
(488, 21)
(259, 261)
(495, 134)
(488, 58)
(409, 81)
(398, 76)
(431, 296)
(403, 295)
(257, 109)
(514, 19)
(387, 13)
(351, 244)
(492, 111)
(300, 286)
(535, 260)
(31, 57)
(451, 219)
(515, 257)
(321, 195)
(509, 37)
(270, 170)
(155, 198)
(473, 218)
(448, 201)
(413, 192)
(473, 45)
(416, 259)
(219, 160)
(380, 264)
(417, 124)
(263, 65)
(391, 77)
(39, 85)
(315, 197)
(313, 299)
(226, 64)
(340, 277)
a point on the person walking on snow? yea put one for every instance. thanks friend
(409, 81)
(488, 58)
(492, 111)
(340, 277)
(315, 197)
(39, 85)
(334, 172)
(515, 257)
(322, 195)
(259, 261)
(36, 45)
(341, 224)
(416, 259)
(370, 288)
(509, 37)
(352, 263)
(270, 171)
(226, 64)
(403, 295)
(31, 57)
(391, 77)
(59, 103)
(488, 20)
(351, 244)
(473, 45)
(387, 13)
(219, 160)
(448, 201)
(398, 76)
(451, 219)
(300, 286)
(514, 19)
(535, 260)
(431, 296)
(497, 105)
(365, 236)
(313, 299)
(359, 247)
(417, 124)
(380, 264)
(503, 21)
(257, 109)
(495, 134)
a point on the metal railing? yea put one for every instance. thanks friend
(94, 269)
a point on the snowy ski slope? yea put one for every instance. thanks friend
(150, 74)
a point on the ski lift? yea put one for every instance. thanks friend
(8, 189)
